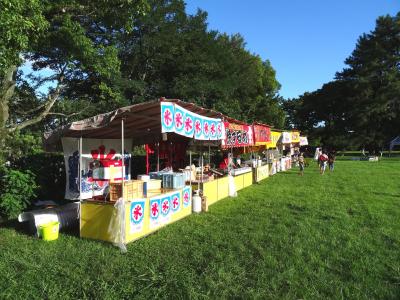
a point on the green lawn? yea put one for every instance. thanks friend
(331, 236)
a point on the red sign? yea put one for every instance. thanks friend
(237, 135)
(262, 134)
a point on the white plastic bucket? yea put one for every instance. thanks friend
(196, 205)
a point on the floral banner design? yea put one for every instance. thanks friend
(175, 118)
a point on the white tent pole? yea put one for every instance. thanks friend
(190, 165)
(80, 168)
(122, 156)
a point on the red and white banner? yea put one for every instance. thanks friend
(98, 156)
(237, 135)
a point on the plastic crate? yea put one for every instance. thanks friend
(158, 175)
(133, 189)
(173, 181)
(153, 184)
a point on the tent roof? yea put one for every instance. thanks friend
(142, 123)
(394, 142)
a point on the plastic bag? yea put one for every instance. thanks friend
(116, 228)
(232, 187)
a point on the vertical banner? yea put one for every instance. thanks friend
(213, 130)
(221, 131)
(179, 116)
(165, 209)
(188, 124)
(101, 159)
(137, 216)
(167, 117)
(176, 202)
(198, 128)
(155, 212)
(187, 196)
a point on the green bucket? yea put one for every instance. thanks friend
(49, 231)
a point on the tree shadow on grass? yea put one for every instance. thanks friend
(15, 225)
(387, 194)
(28, 228)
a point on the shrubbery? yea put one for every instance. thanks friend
(18, 189)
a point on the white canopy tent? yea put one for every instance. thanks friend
(394, 142)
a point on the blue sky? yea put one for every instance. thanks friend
(306, 41)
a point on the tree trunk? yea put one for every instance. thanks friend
(6, 92)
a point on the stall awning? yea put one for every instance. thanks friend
(262, 134)
(142, 123)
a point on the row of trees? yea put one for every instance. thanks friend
(96, 56)
(100, 55)
(361, 107)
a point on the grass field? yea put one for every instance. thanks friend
(332, 236)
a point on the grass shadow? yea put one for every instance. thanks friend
(387, 194)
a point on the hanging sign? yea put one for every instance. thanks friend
(237, 135)
(262, 134)
(175, 118)
(101, 160)
(286, 137)
(303, 141)
(187, 196)
(155, 212)
(137, 216)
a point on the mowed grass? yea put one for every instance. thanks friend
(290, 237)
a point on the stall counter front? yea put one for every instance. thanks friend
(99, 220)
(260, 173)
(218, 189)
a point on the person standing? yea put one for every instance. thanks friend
(323, 159)
(301, 164)
(331, 160)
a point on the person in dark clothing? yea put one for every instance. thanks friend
(331, 160)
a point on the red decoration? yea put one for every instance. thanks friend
(167, 117)
(137, 212)
(188, 124)
(154, 209)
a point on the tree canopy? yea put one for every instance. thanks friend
(95, 56)
(361, 107)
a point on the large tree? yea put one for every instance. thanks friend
(98, 55)
(361, 107)
(71, 46)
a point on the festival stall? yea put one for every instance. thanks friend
(114, 207)
(273, 153)
(262, 136)
(234, 177)
(284, 144)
